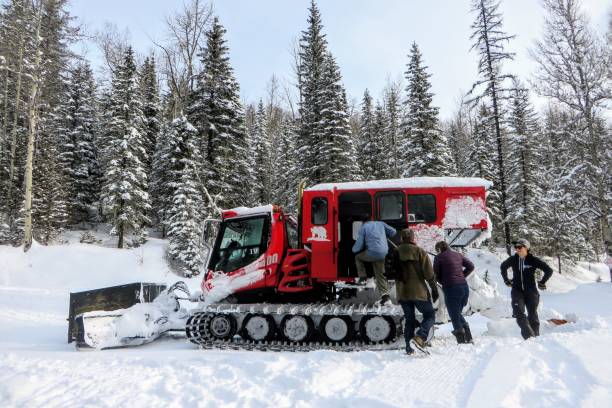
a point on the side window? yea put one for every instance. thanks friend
(421, 208)
(390, 206)
(319, 211)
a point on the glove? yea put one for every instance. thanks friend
(508, 283)
(434, 295)
(541, 285)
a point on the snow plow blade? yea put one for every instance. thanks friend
(112, 298)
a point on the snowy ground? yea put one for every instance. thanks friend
(567, 366)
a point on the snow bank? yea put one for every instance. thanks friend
(78, 267)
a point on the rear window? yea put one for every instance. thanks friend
(421, 208)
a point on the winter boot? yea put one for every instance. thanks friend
(459, 335)
(419, 341)
(468, 334)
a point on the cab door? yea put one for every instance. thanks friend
(319, 233)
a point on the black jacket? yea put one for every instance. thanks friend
(525, 279)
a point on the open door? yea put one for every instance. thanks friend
(319, 234)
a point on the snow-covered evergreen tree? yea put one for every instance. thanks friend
(365, 137)
(393, 134)
(151, 109)
(285, 181)
(185, 211)
(125, 191)
(524, 148)
(562, 217)
(215, 110)
(425, 147)
(312, 54)
(337, 151)
(79, 156)
(482, 162)
(261, 148)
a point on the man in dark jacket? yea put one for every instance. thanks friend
(413, 268)
(524, 292)
(451, 268)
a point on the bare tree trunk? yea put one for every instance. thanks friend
(33, 120)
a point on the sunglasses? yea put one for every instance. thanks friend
(519, 247)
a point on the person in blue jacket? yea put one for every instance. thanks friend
(371, 246)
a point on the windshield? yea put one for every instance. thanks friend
(241, 242)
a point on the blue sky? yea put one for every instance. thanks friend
(369, 38)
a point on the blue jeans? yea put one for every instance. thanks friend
(429, 318)
(456, 297)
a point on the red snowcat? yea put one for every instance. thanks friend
(275, 280)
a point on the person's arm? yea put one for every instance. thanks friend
(395, 261)
(358, 246)
(540, 264)
(389, 230)
(468, 266)
(504, 270)
(436, 268)
(428, 274)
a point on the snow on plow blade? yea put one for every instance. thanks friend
(97, 317)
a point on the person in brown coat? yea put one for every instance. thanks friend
(413, 269)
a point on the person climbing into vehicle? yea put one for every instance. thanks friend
(413, 268)
(371, 246)
(451, 268)
(524, 292)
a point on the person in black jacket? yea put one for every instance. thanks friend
(524, 291)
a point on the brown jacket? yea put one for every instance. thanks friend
(413, 267)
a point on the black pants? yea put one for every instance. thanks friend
(521, 299)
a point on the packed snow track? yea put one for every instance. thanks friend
(567, 366)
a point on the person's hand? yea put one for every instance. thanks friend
(541, 285)
(434, 295)
(508, 283)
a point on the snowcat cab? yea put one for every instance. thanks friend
(261, 254)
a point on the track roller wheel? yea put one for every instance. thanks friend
(296, 328)
(258, 327)
(377, 329)
(337, 329)
(196, 328)
(222, 326)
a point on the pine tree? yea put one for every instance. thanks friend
(525, 144)
(312, 55)
(489, 39)
(379, 148)
(393, 114)
(285, 181)
(186, 207)
(337, 151)
(482, 162)
(561, 217)
(48, 113)
(366, 135)
(574, 70)
(79, 153)
(425, 148)
(215, 110)
(125, 191)
(151, 109)
(261, 149)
